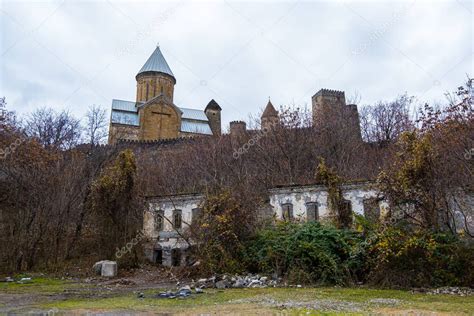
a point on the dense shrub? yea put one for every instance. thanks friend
(387, 257)
(304, 253)
(219, 234)
(408, 258)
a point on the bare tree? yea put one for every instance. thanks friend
(385, 121)
(96, 125)
(354, 98)
(53, 129)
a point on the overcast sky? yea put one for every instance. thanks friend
(71, 54)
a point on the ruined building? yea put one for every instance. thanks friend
(166, 218)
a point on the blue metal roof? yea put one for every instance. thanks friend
(125, 118)
(192, 120)
(157, 63)
(193, 114)
(122, 105)
(195, 127)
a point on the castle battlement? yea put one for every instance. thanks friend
(329, 93)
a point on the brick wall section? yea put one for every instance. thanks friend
(214, 117)
(119, 131)
(159, 120)
(152, 85)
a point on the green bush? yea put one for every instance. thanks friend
(304, 253)
(418, 258)
(311, 253)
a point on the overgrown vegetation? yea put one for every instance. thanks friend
(304, 253)
(310, 253)
(61, 203)
(340, 213)
(221, 229)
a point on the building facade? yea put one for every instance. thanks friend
(167, 218)
(153, 115)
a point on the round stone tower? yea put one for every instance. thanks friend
(155, 78)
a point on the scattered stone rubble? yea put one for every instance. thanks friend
(20, 281)
(183, 292)
(226, 281)
(217, 282)
(459, 291)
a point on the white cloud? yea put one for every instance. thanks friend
(74, 54)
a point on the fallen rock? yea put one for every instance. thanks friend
(239, 283)
(24, 280)
(256, 283)
(97, 267)
(222, 284)
(184, 293)
(459, 291)
(109, 269)
(185, 288)
(198, 290)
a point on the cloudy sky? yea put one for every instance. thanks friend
(72, 54)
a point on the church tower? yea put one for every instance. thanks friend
(153, 115)
(269, 117)
(159, 117)
(155, 78)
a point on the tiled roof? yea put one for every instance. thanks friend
(157, 63)
(270, 110)
(212, 105)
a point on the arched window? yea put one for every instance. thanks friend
(146, 96)
(159, 220)
(177, 219)
(312, 213)
(287, 211)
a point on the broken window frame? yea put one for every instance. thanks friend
(287, 211)
(177, 219)
(195, 214)
(312, 211)
(159, 220)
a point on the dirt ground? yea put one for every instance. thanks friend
(135, 293)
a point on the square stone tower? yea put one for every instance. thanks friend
(331, 111)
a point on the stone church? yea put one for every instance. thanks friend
(153, 115)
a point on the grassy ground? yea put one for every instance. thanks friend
(63, 297)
